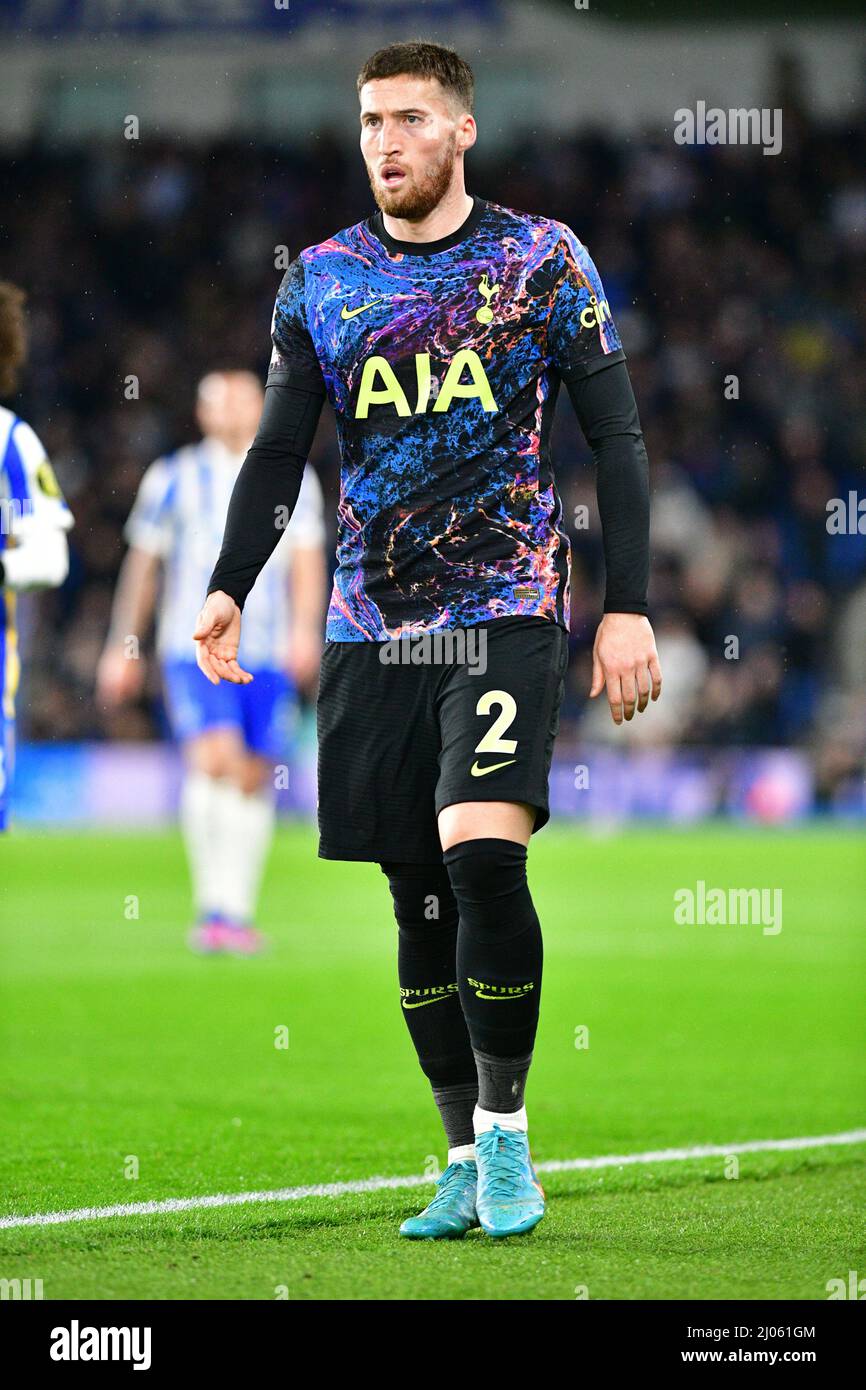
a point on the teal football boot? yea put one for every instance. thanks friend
(451, 1213)
(510, 1197)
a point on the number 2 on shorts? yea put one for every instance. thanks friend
(492, 741)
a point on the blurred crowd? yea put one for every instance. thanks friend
(737, 282)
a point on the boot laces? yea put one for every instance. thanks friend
(456, 1177)
(507, 1169)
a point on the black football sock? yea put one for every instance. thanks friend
(502, 1082)
(430, 1000)
(456, 1105)
(499, 960)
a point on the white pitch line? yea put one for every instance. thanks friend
(342, 1189)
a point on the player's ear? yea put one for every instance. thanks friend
(467, 131)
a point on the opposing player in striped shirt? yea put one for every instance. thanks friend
(34, 519)
(233, 737)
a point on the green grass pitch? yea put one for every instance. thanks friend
(123, 1052)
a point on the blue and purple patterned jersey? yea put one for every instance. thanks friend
(442, 362)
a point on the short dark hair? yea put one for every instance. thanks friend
(420, 59)
(13, 335)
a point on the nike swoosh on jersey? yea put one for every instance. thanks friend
(494, 767)
(438, 1000)
(351, 313)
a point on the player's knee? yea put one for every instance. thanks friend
(253, 774)
(216, 754)
(423, 901)
(482, 869)
(488, 879)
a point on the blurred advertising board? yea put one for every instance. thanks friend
(129, 785)
(42, 18)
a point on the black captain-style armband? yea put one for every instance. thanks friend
(606, 411)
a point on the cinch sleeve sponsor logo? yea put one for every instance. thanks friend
(596, 313)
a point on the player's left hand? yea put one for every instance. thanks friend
(625, 663)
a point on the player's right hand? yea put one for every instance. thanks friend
(217, 636)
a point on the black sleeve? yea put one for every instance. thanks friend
(267, 487)
(606, 412)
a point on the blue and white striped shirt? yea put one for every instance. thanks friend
(31, 504)
(179, 515)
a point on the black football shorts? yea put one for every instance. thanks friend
(407, 727)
